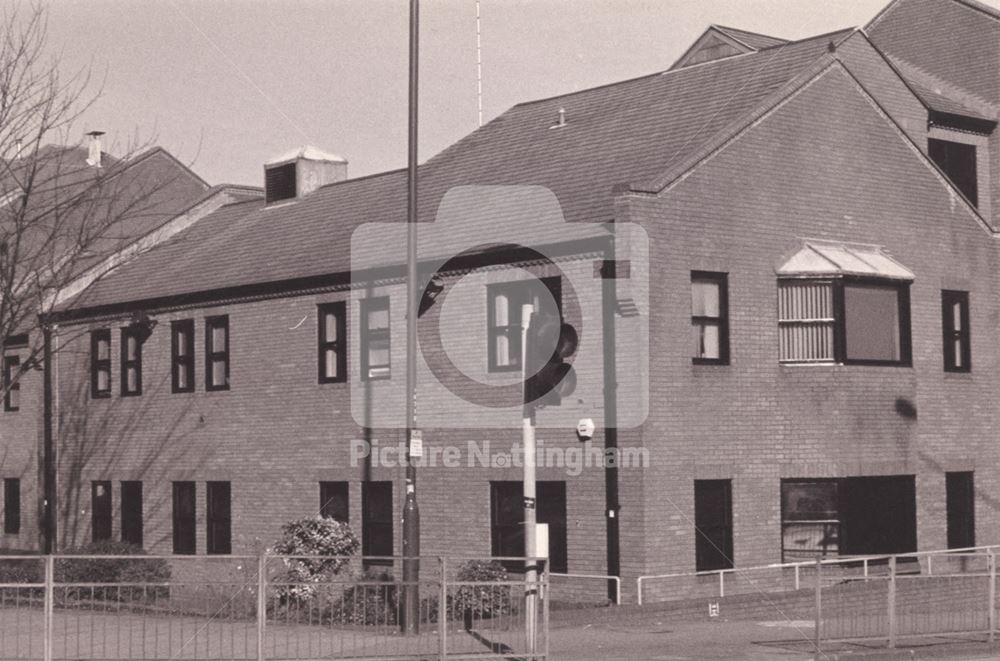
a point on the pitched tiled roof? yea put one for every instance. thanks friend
(618, 133)
(751, 39)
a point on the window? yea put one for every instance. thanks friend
(376, 521)
(333, 500)
(131, 361)
(100, 511)
(100, 363)
(810, 519)
(184, 518)
(955, 321)
(11, 383)
(960, 497)
(131, 508)
(218, 538)
(375, 342)
(217, 353)
(852, 321)
(958, 161)
(332, 342)
(507, 521)
(710, 317)
(182, 355)
(504, 303)
(713, 522)
(12, 506)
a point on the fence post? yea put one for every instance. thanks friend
(261, 603)
(892, 602)
(819, 609)
(49, 600)
(796, 577)
(992, 614)
(443, 610)
(722, 584)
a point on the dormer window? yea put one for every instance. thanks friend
(279, 182)
(958, 161)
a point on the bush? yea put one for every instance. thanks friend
(369, 604)
(112, 570)
(482, 601)
(314, 536)
(14, 570)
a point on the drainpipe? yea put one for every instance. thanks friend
(49, 452)
(609, 297)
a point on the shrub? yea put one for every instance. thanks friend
(482, 601)
(314, 536)
(112, 570)
(16, 570)
(376, 602)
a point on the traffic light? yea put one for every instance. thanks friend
(550, 342)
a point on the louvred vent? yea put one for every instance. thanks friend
(279, 183)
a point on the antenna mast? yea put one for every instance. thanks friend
(479, 63)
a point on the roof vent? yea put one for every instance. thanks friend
(561, 120)
(301, 171)
(94, 149)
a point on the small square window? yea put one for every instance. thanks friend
(11, 383)
(955, 326)
(217, 353)
(710, 318)
(332, 342)
(100, 363)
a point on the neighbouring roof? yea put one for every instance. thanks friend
(606, 141)
(754, 40)
(816, 259)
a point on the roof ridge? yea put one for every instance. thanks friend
(727, 28)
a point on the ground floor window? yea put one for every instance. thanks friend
(960, 498)
(219, 518)
(100, 510)
(131, 505)
(184, 517)
(713, 523)
(848, 516)
(507, 520)
(333, 500)
(376, 521)
(12, 506)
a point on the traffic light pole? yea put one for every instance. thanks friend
(530, 510)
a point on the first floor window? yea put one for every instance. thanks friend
(713, 523)
(375, 340)
(504, 305)
(376, 521)
(710, 317)
(217, 353)
(332, 342)
(11, 383)
(100, 510)
(333, 501)
(184, 517)
(100, 363)
(131, 508)
(11, 506)
(131, 362)
(850, 321)
(218, 533)
(182, 355)
(961, 506)
(958, 161)
(955, 322)
(507, 521)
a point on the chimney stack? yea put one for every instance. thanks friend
(94, 149)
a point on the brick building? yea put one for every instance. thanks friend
(817, 375)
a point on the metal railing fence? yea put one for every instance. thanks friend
(267, 607)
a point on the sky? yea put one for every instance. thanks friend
(225, 85)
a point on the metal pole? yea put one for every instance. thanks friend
(528, 441)
(892, 602)
(49, 449)
(49, 599)
(443, 611)
(261, 603)
(819, 609)
(411, 512)
(992, 615)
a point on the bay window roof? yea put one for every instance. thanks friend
(828, 259)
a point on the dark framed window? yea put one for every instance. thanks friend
(503, 317)
(333, 501)
(713, 522)
(12, 506)
(217, 353)
(955, 326)
(376, 346)
(100, 510)
(11, 383)
(131, 361)
(218, 533)
(810, 519)
(182, 355)
(100, 363)
(332, 342)
(961, 506)
(710, 317)
(184, 504)
(376, 521)
(507, 521)
(958, 161)
(131, 512)
(855, 321)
